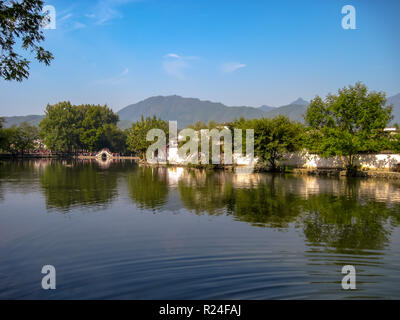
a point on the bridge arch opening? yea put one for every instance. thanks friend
(104, 154)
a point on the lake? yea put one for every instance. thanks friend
(119, 231)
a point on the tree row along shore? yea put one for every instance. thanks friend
(346, 125)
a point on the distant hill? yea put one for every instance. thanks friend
(266, 108)
(292, 111)
(189, 110)
(295, 111)
(186, 110)
(395, 100)
(33, 120)
(300, 102)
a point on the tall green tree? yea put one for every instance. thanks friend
(7, 138)
(136, 140)
(273, 138)
(199, 125)
(60, 127)
(348, 124)
(20, 139)
(20, 23)
(114, 138)
(92, 128)
(69, 128)
(26, 137)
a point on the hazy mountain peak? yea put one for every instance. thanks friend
(169, 97)
(190, 110)
(266, 108)
(300, 101)
(394, 99)
(185, 110)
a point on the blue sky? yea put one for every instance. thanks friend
(237, 52)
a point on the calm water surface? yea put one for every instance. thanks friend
(119, 231)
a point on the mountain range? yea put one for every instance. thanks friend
(17, 120)
(186, 110)
(266, 108)
(189, 110)
(395, 101)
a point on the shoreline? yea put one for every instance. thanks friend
(322, 172)
(58, 156)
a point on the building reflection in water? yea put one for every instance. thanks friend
(339, 221)
(336, 212)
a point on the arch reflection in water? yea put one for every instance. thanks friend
(341, 213)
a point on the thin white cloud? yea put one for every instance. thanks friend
(64, 18)
(68, 22)
(175, 65)
(100, 12)
(125, 72)
(106, 10)
(172, 55)
(231, 66)
(78, 25)
(115, 80)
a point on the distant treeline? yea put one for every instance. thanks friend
(346, 124)
(68, 129)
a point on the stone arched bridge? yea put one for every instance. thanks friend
(104, 154)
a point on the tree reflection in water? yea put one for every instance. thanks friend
(342, 214)
(73, 184)
(148, 187)
(204, 191)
